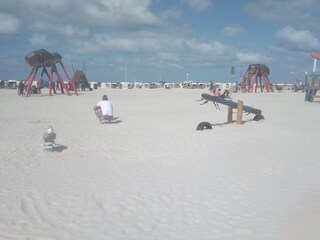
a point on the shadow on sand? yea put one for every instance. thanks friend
(60, 148)
(112, 121)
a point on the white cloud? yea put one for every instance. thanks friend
(214, 48)
(132, 43)
(9, 24)
(56, 4)
(164, 45)
(121, 13)
(233, 31)
(125, 13)
(175, 66)
(252, 58)
(166, 56)
(73, 31)
(66, 30)
(296, 12)
(199, 5)
(302, 40)
(171, 13)
(40, 40)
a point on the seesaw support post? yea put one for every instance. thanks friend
(239, 112)
(229, 114)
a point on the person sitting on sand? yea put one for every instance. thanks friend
(217, 93)
(104, 109)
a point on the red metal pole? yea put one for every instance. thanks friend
(267, 83)
(51, 82)
(41, 79)
(27, 78)
(33, 75)
(245, 75)
(254, 80)
(70, 80)
(61, 80)
(24, 83)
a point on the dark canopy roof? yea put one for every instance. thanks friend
(42, 58)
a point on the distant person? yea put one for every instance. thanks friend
(237, 86)
(20, 88)
(104, 109)
(226, 91)
(217, 93)
(225, 94)
(39, 86)
(214, 87)
(82, 84)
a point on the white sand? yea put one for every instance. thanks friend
(153, 176)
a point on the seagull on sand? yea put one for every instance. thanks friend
(49, 135)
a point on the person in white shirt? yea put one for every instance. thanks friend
(104, 109)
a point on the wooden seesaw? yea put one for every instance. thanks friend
(231, 105)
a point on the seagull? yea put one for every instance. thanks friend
(49, 135)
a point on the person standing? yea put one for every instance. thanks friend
(21, 88)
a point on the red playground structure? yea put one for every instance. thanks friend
(253, 77)
(44, 59)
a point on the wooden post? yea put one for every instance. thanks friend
(229, 114)
(239, 111)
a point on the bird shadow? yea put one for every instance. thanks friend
(60, 148)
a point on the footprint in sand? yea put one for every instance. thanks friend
(32, 205)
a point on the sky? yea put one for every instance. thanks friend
(162, 40)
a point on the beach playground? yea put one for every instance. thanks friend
(153, 175)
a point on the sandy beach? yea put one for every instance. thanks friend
(152, 175)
